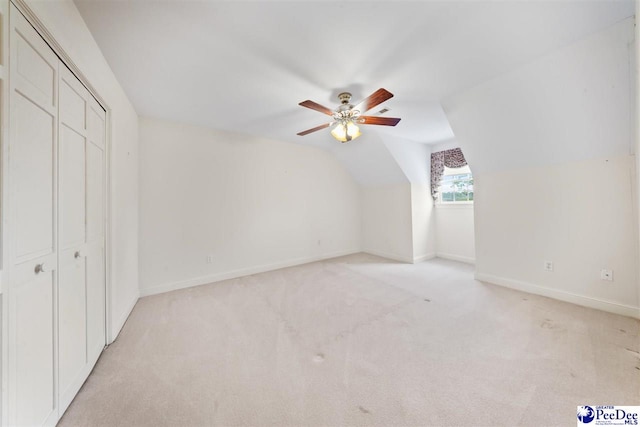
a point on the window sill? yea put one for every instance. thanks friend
(454, 205)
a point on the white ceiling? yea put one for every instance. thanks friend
(244, 66)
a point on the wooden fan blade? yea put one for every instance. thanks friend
(376, 98)
(384, 121)
(308, 131)
(315, 106)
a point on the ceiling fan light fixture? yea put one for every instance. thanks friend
(345, 132)
(353, 130)
(347, 117)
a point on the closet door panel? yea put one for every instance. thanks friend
(35, 65)
(72, 326)
(72, 279)
(95, 192)
(72, 187)
(95, 302)
(33, 392)
(72, 101)
(32, 276)
(32, 168)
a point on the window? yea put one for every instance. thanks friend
(456, 185)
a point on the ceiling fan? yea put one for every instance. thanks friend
(347, 116)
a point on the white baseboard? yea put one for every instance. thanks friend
(117, 327)
(424, 257)
(458, 258)
(217, 277)
(390, 256)
(400, 258)
(611, 307)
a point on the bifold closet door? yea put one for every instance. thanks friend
(33, 111)
(81, 274)
(56, 290)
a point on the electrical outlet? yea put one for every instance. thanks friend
(548, 265)
(606, 275)
(209, 259)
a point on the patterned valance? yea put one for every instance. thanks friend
(450, 158)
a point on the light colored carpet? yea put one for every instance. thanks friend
(359, 340)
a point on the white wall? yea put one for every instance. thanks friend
(445, 145)
(387, 221)
(398, 222)
(387, 170)
(63, 21)
(250, 203)
(414, 159)
(550, 148)
(454, 223)
(637, 121)
(424, 222)
(367, 159)
(455, 238)
(578, 215)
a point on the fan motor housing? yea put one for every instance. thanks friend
(344, 97)
(344, 106)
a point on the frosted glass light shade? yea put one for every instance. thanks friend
(346, 133)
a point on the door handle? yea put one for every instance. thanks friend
(40, 268)
(77, 255)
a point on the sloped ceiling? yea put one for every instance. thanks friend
(573, 104)
(245, 65)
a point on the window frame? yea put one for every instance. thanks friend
(447, 172)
